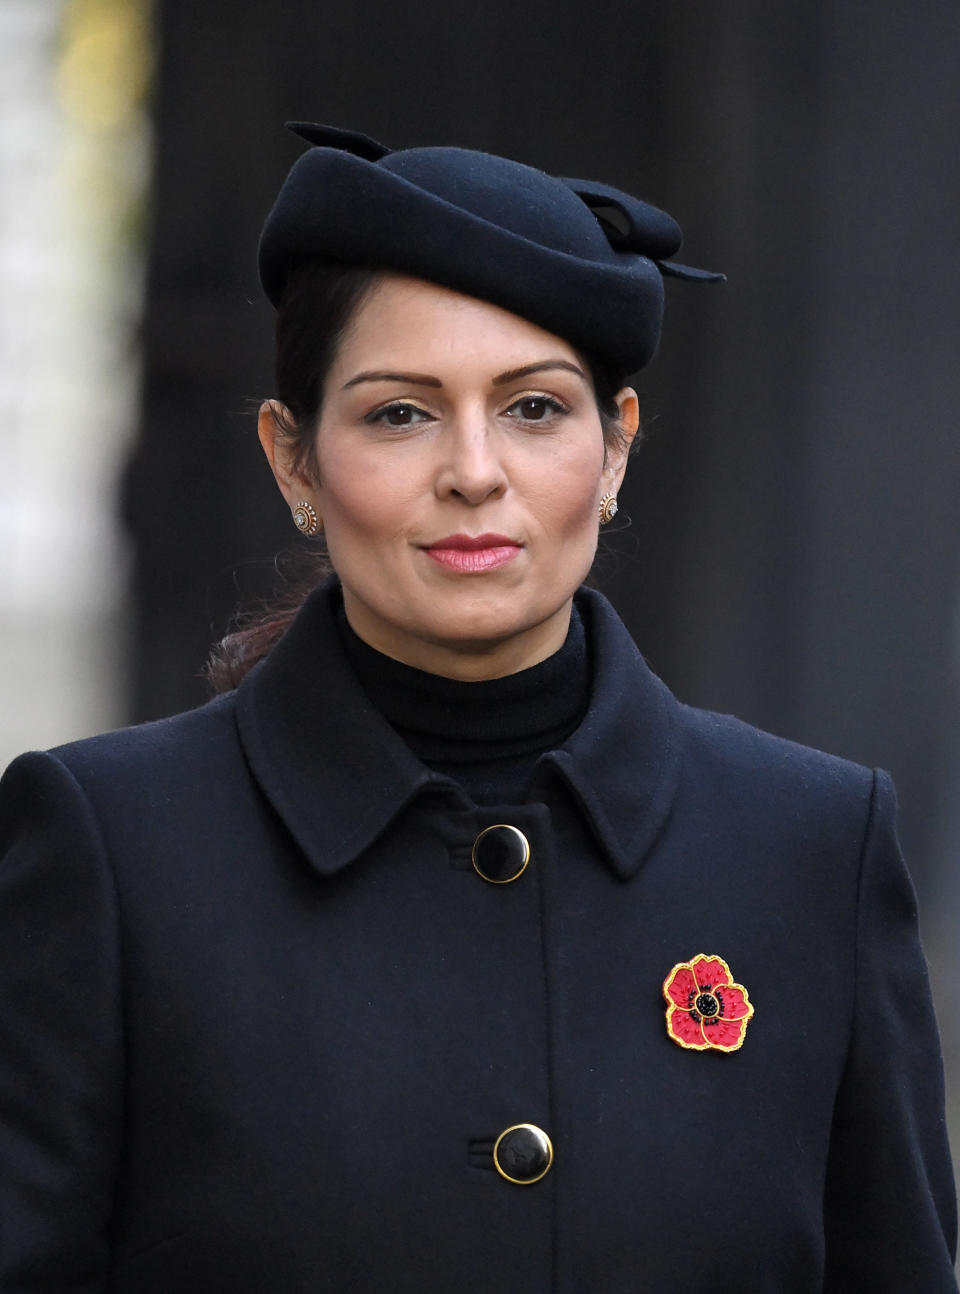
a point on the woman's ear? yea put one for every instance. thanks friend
(293, 481)
(628, 424)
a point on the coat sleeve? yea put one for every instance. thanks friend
(890, 1207)
(61, 1065)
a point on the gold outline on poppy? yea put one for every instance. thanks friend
(703, 957)
(687, 1046)
(719, 1046)
(669, 980)
(672, 1006)
(746, 1001)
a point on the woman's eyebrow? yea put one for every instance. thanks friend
(539, 367)
(412, 379)
(424, 379)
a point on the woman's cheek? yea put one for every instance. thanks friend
(579, 495)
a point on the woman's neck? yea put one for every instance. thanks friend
(487, 735)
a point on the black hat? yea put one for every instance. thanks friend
(582, 260)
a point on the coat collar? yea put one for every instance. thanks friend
(338, 775)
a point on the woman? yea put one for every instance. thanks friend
(449, 951)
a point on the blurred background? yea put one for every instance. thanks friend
(789, 544)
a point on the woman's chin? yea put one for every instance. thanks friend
(487, 638)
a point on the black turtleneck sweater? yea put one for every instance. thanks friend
(487, 736)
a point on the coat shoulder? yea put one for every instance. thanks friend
(169, 789)
(796, 780)
(164, 753)
(734, 739)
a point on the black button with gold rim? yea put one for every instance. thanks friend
(523, 1154)
(500, 853)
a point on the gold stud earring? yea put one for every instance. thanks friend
(305, 518)
(608, 508)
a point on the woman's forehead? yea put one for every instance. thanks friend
(401, 318)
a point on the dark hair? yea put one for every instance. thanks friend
(318, 303)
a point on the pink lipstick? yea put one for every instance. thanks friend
(473, 554)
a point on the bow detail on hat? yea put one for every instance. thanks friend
(632, 225)
(348, 141)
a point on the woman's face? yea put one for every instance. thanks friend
(460, 466)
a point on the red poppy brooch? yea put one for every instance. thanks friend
(706, 1010)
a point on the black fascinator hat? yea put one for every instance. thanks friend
(580, 259)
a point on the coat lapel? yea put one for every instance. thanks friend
(338, 775)
(623, 762)
(326, 759)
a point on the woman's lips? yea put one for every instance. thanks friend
(471, 554)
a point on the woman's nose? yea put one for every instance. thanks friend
(472, 467)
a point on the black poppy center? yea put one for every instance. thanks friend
(707, 1005)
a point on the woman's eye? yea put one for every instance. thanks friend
(537, 408)
(397, 415)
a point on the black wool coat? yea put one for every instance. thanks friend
(261, 1022)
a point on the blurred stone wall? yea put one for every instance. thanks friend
(73, 172)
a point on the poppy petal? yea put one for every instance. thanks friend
(685, 1030)
(710, 971)
(736, 1005)
(725, 1035)
(680, 987)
